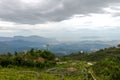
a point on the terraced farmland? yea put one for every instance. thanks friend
(64, 71)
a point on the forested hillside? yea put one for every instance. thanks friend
(31, 58)
(105, 62)
(95, 56)
(44, 65)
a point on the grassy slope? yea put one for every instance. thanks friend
(57, 73)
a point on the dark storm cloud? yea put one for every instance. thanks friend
(52, 10)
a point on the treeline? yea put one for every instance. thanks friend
(31, 58)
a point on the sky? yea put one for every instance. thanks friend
(65, 20)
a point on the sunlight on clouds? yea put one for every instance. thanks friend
(101, 20)
(93, 21)
(113, 9)
(6, 24)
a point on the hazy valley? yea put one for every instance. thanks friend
(21, 43)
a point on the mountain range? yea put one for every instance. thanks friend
(22, 43)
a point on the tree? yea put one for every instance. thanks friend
(15, 53)
(9, 54)
(118, 45)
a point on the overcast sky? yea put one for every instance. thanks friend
(61, 19)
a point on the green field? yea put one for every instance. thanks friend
(62, 71)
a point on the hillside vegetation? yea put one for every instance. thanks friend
(94, 56)
(32, 58)
(105, 62)
(44, 65)
(108, 68)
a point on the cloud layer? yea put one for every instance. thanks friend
(41, 11)
(61, 19)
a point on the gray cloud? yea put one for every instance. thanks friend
(51, 10)
(3, 28)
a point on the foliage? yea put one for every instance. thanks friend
(32, 58)
(108, 69)
(107, 61)
(94, 56)
(42, 65)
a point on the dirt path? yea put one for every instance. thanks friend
(92, 75)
